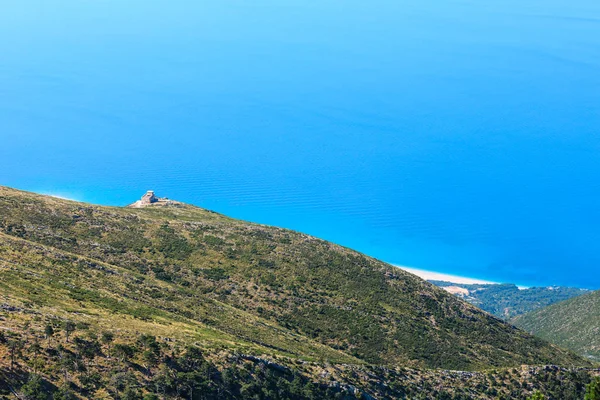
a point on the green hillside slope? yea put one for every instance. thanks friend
(507, 301)
(572, 324)
(259, 285)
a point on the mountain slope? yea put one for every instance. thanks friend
(507, 301)
(224, 283)
(573, 324)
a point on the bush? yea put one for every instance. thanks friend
(64, 393)
(593, 390)
(537, 395)
(34, 389)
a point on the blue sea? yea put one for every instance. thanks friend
(458, 136)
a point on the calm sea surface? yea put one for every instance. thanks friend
(456, 136)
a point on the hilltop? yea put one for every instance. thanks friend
(161, 279)
(573, 324)
(506, 300)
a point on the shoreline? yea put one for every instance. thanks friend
(438, 276)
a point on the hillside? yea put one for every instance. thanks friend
(507, 301)
(158, 280)
(573, 324)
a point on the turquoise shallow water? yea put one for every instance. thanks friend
(456, 136)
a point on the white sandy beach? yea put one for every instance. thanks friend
(431, 275)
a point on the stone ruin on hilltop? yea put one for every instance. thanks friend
(150, 199)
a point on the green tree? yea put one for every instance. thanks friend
(107, 338)
(593, 390)
(91, 380)
(35, 348)
(537, 395)
(87, 349)
(297, 386)
(34, 389)
(131, 393)
(125, 383)
(151, 350)
(69, 328)
(150, 358)
(67, 362)
(64, 393)
(165, 380)
(193, 382)
(49, 331)
(123, 351)
(192, 359)
(15, 346)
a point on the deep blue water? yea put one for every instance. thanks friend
(456, 136)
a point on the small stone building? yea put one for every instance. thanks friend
(149, 198)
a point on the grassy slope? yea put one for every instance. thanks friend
(573, 324)
(220, 282)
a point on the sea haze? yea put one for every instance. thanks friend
(455, 136)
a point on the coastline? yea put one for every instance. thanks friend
(438, 276)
